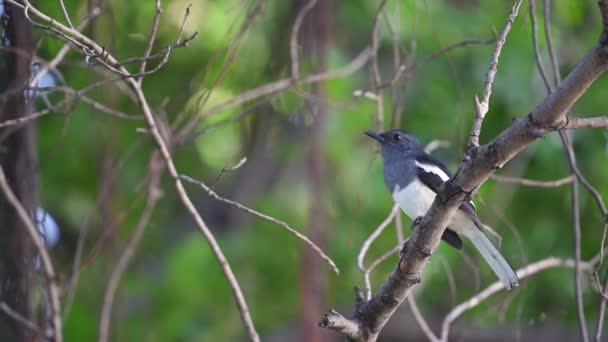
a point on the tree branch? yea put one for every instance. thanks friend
(152, 197)
(597, 122)
(47, 264)
(283, 224)
(524, 272)
(549, 115)
(482, 107)
(533, 183)
(109, 61)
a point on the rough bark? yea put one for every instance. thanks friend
(17, 157)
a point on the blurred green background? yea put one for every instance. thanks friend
(308, 164)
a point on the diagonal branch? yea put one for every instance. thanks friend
(110, 60)
(47, 264)
(482, 107)
(283, 224)
(524, 272)
(371, 316)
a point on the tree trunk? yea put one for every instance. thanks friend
(314, 39)
(17, 153)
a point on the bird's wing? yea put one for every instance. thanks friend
(433, 173)
(433, 176)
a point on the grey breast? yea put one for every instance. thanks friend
(399, 171)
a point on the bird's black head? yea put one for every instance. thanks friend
(395, 141)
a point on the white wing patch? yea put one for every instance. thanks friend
(433, 169)
(439, 172)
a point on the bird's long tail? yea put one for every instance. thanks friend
(497, 262)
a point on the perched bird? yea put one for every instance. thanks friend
(414, 178)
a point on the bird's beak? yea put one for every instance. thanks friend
(375, 135)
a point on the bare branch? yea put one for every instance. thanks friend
(435, 144)
(66, 16)
(597, 122)
(153, 194)
(293, 44)
(283, 224)
(524, 272)
(552, 55)
(406, 69)
(602, 311)
(576, 226)
(151, 40)
(162, 146)
(64, 49)
(367, 243)
(424, 326)
(334, 321)
(375, 69)
(275, 87)
(539, 61)
(47, 264)
(482, 107)
(19, 318)
(533, 183)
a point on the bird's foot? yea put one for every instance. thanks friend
(417, 221)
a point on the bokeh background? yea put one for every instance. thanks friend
(309, 164)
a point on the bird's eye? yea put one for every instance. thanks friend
(396, 137)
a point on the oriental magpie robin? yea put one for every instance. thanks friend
(414, 178)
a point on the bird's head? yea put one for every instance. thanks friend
(395, 141)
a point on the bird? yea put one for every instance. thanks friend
(414, 178)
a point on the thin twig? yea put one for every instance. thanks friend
(367, 243)
(64, 49)
(375, 69)
(153, 194)
(524, 272)
(66, 16)
(576, 226)
(424, 326)
(97, 50)
(597, 122)
(552, 55)
(405, 69)
(533, 183)
(602, 312)
(537, 55)
(72, 283)
(482, 107)
(275, 87)
(17, 317)
(293, 43)
(283, 224)
(47, 264)
(230, 54)
(435, 144)
(201, 225)
(151, 40)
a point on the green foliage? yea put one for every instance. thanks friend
(174, 289)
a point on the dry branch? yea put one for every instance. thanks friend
(283, 224)
(522, 273)
(533, 183)
(99, 54)
(482, 107)
(47, 264)
(152, 197)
